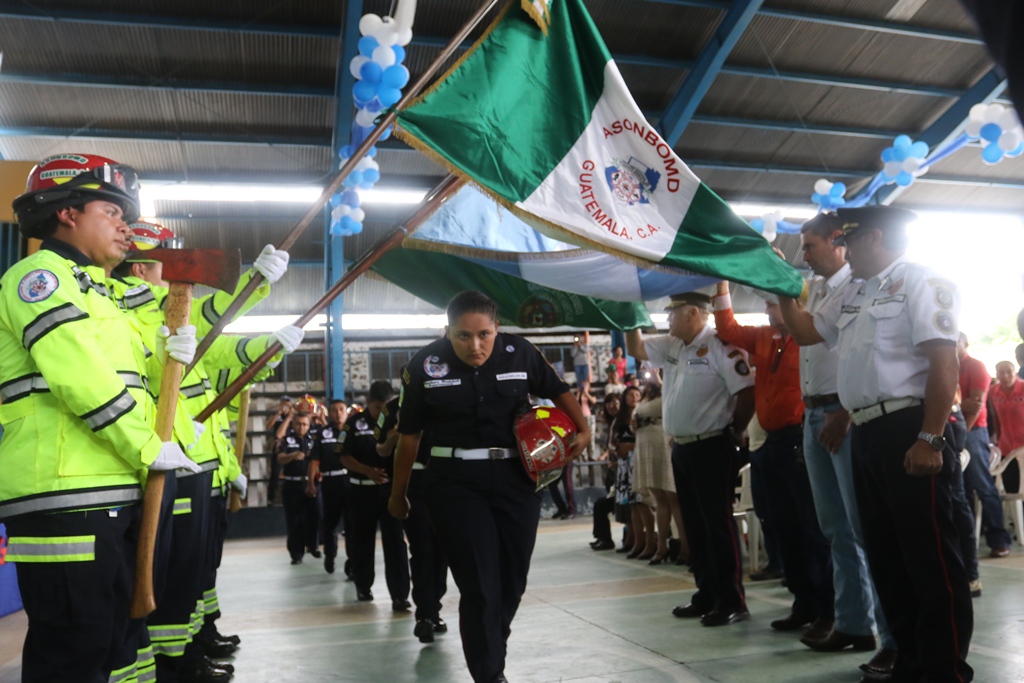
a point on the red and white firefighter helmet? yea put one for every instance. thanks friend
(544, 437)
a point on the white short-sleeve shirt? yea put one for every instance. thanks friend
(819, 365)
(700, 383)
(878, 325)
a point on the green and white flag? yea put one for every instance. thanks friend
(544, 122)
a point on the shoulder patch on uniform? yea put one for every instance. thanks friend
(37, 286)
(944, 322)
(510, 348)
(702, 351)
(433, 366)
(944, 298)
(742, 368)
(405, 375)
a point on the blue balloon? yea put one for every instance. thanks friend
(838, 202)
(347, 222)
(838, 190)
(817, 198)
(371, 71)
(757, 224)
(1016, 152)
(373, 152)
(335, 199)
(386, 134)
(903, 142)
(349, 198)
(371, 175)
(900, 153)
(991, 132)
(395, 76)
(388, 96)
(367, 44)
(345, 152)
(336, 228)
(888, 154)
(399, 53)
(992, 154)
(919, 149)
(356, 177)
(374, 106)
(904, 179)
(364, 91)
(356, 228)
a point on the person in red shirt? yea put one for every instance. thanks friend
(806, 553)
(1007, 401)
(974, 384)
(619, 363)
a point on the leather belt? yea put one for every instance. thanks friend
(334, 473)
(294, 478)
(473, 453)
(362, 482)
(864, 415)
(683, 440)
(820, 400)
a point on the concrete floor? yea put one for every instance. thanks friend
(587, 617)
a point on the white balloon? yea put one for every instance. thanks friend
(893, 168)
(1008, 141)
(405, 37)
(822, 186)
(769, 232)
(387, 37)
(340, 211)
(356, 64)
(1009, 120)
(365, 163)
(978, 112)
(365, 118)
(384, 56)
(973, 129)
(992, 113)
(911, 164)
(358, 215)
(777, 216)
(370, 24)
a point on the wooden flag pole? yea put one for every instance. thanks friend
(446, 188)
(257, 279)
(243, 420)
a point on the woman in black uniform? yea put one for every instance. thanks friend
(466, 388)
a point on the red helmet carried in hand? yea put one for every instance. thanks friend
(544, 437)
(65, 180)
(146, 236)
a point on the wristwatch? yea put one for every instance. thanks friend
(936, 441)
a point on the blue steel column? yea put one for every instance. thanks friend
(334, 247)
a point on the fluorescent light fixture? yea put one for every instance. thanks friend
(262, 324)
(788, 211)
(755, 319)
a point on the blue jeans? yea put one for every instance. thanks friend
(582, 373)
(978, 480)
(857, 607)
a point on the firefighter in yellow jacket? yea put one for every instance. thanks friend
(77, 419)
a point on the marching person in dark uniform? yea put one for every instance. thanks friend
(426, 560)
(466, 390)
(300, 510)
(325, 467)
(896, 331)
(370, 486)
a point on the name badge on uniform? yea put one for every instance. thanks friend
(434, 383)
(890, 299)
(672, 361)
(510, 375)
(851, 309)
(698, 361)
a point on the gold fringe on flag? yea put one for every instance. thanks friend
(539, 12)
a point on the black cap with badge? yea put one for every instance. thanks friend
(867, 217)
(690, 299)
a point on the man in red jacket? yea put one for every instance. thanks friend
(806, 553)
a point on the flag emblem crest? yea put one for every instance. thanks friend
(434, 367)
(631, 182)
(37, 286)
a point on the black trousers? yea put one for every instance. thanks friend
(426, 559)
(77, 611)
(215, 534)
(806, 553)
(913, 550)
(485, 513)
(760, 496)
(368, 510)
(705, 474)
(602, 526)
(302, 517)
(566, 505)
(334, 491)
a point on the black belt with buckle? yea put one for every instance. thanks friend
(821, 400)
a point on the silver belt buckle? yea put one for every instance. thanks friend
(496, 453)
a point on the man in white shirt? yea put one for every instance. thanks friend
(896, 331)
(707, 395)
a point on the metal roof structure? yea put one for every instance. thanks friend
(760, 97)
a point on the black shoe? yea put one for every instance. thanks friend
(400, 605)
(296, 560)
(603, 545)
(219, 665)
(766, 574)
(794, 622)
(316, 553)
(198, 671)
(722, 618)
(347, 568)
(329, 565)
(690, 611)
(220, 636)
(217, 649)
(364, 596)
(559, 515)
(424, 630)
(439, 625)
(623, 549)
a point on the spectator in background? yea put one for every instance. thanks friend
(581, 360)
(1007, 399)
(632, 380)
(974, 384)
(605, 506)
(1019, 354)
(618, 361)
(587, 402)
(615, 384)
(631, 510)
(284, 412)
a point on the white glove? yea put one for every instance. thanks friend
(180, 346)
(289, 337)
(171, 458)
(240, 484)
(199, 428)
(271, 263)
(273, 364)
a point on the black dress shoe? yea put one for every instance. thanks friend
(296, 560)
(658, 559)
(723, 618)
(329, 565)
(217, 649)
(316, 553)
(766, 574)
(603, 545)
(793, 622)
(876, 678)
(690, 611)
(623, 549)
(819, 630)
(837, 640)
(645, 556)
(635, 554)
(424, 630)
(881, 664)
(364, 596)
(219, 665)
(198, 671)
(439, 625)
(220, 636)
(681, 561)
(400, 605)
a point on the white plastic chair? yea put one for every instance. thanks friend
(743, 511)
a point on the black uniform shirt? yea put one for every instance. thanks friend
(291, 443)
(388, 420)
(325, 448)
(466, 407)
(357, 440)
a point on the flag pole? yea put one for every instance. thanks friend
(449, 186)
(314, 210)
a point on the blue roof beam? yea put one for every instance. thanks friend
(683, 106)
